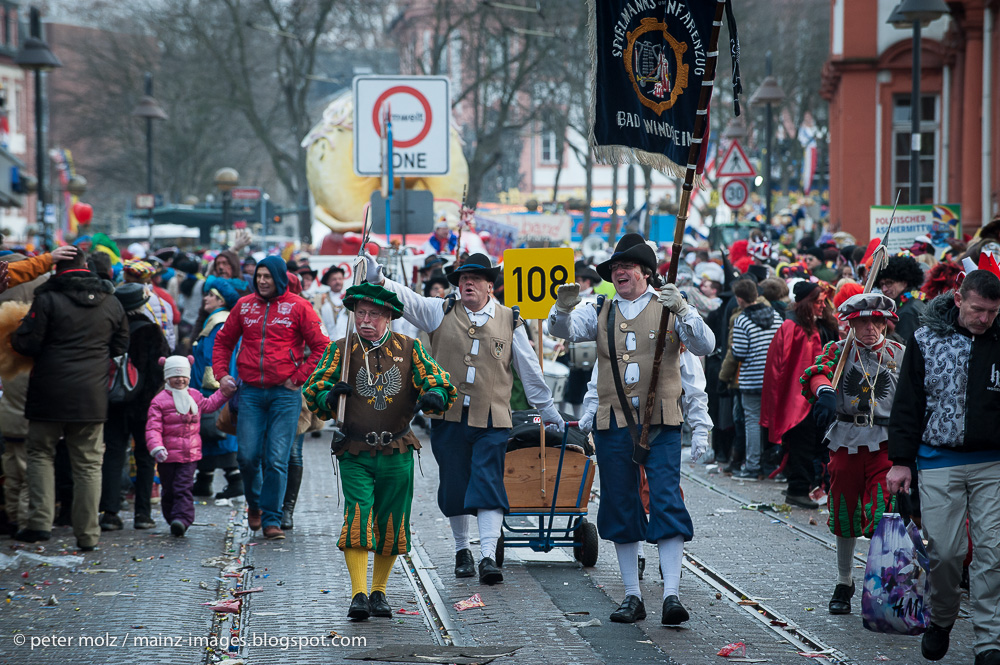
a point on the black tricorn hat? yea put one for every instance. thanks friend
(631, 247)
(477, 263)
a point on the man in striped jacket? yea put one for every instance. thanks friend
(753, 331)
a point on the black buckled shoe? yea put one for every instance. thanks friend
(989, 657)
(840, 603)
(674, 613)
(934, 644)
(489, 572)
(631, 610)
(379, 605)
(32, 535)
(360, 608)
(465, 565)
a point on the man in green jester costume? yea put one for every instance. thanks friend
(390, 376)
(855, 415)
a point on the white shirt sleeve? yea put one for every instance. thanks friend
(590, 399)
(580, 325)
(424, 313)
(695, 333)
(694, 401)
(532, 378)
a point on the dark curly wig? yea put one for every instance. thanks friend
(903, 269)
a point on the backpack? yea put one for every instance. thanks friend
(124, 381)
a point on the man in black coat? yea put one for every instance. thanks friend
(75, 326)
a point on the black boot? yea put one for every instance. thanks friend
(234, 485)
(203, 484)
(291, 496)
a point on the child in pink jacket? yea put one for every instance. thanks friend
(174, 440)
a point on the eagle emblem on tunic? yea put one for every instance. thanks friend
(379, 389)
(864, 395)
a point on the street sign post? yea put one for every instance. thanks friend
(421, 124)
(735, 194)
(735, 163)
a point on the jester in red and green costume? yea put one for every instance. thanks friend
(855, 416)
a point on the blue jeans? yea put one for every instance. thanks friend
(265, 430)
(751, 416)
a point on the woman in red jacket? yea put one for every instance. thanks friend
(783, 410)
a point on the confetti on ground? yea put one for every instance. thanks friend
(473, 601)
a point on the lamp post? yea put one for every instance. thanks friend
(916, 14)
(768, 93)
(34, 55)
(225, 179)
(151, 110)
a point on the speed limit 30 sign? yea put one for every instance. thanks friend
(735, 194)
(531, 278)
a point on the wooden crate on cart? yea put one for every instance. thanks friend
(523, 475)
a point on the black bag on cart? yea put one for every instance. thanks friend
(524, 433)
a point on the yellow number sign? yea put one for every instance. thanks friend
(531, 278)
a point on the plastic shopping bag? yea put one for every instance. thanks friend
(896, 588)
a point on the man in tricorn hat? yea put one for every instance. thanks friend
(390, 376)
(855, 416)
(626, 330)
(480, 343)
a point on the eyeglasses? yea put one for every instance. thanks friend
(368, 315)
(623, 266)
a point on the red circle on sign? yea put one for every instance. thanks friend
(736, 197)
(404, 89)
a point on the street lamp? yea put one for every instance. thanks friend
(225, 179)
(34, 55)
(149, 109)
(735, 130)
(768, 93)
(915, 14)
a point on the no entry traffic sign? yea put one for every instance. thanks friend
(420, 109)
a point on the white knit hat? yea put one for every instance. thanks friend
(177, 366)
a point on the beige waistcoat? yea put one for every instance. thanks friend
(489, 394)
(668, 390)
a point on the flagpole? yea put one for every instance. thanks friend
(700, 123)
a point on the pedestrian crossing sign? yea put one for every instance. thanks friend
(735, 164)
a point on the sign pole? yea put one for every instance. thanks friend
(541, 423)
(388, 170)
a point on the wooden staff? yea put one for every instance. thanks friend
(356, 278)
(708, 84)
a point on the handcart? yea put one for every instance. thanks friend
(532, 491)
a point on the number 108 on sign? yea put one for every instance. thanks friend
(532, 278)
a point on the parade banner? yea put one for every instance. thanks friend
(939, 222)
(650, 57)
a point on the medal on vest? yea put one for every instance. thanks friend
(498, 347)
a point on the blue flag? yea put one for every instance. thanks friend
(650, 57)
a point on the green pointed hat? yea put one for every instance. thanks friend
(375, 294)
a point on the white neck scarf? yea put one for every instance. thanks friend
(183, 401)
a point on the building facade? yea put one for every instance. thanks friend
(867, 80)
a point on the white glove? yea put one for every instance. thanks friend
(554, 423)
(586, 424)
(374, 274)
(568, 297)
(671, 298)
(159, 453)
(699, 445)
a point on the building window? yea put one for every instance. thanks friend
(550, 153)
(928, 168)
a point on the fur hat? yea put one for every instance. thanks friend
(904, 269)
(177, 366)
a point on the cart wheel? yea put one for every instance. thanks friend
(586, 535)
(499, 554)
